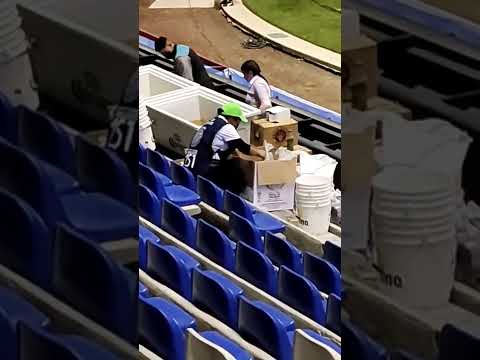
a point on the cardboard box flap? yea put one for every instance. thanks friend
(273, 172)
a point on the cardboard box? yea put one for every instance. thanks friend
(276, 133)
(362, 51)
(271, 183)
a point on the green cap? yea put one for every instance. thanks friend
(234, 110)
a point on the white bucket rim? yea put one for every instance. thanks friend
(412, 203)
(313, 205)
(413, 241)
(413, 181)
(10, 27)
(309, 180)
(315, 195)
(409, 215)
(417, 197)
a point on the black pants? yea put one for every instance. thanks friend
(228, 175)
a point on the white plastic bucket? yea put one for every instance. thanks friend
(413, 214)
(145, 135)
(12, 46)
(417, 271)
(314, 218)
(313, 181)
(17, 81)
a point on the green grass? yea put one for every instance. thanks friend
(316, 21)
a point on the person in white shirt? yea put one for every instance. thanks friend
(259, 93)
(210, 151)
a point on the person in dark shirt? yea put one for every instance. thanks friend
(187, 63)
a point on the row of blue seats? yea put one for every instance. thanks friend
(452, 343)
(176, 183)
(26, 333)
(160, 316)
(249, 263)
(246, 219)
(94, 214)
(257, 322)
(68, 265)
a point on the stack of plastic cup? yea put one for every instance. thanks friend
(313, 201)
(413, 223)
(15, 68)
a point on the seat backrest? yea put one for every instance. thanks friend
(333, 254)
(23, 176)
(455, 343)
(215, 245)
(8, 124)
(310, 303)
(334, 313)
(235, 203)
(244, 230)
(172, 267)
(149, 206)
(25, 242)
(14, 309)
(162, 327)
(358, 345)
(144, 235)
(210, 193)
(45, 138)
(312, 346)
(216, 295)
(86, 277)
(323, 274)
(282, 252)
(182, 176)
(101, 170)
(402, 355)
(158, 162)
(256, 268)
(142, 154)
(37, 343)
(178, 223)
(266, 327)
(151, 180)
(200, 348)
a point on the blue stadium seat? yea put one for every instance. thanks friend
(166, 181)
(282, 252)
(14, 309)
(263, 221)
(8, 124)
(97, 216)
(182, 176)
(334, 313)
(158, 162)
(216, 295)
(323, 274)
(358, 345)
(178, 223)
(144, 236)
(256, 268)
(45, 138)
(37, 343)
(172, 267)
(101, 170)
(310, 303)
(142, 154)
(175, 193)
(323, 340)
(25, 242)
(454, 343)
(162, 327)
(88, 278)
(210, 193)
(149, 206)
(235, 350)
(266, 327)
(244, 230)
(143, 291)
(215, 245)
(333, 254)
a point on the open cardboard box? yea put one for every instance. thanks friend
(271, 183)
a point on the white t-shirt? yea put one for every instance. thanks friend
(224, 135)
(259, 94)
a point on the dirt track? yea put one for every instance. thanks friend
(209, 33)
